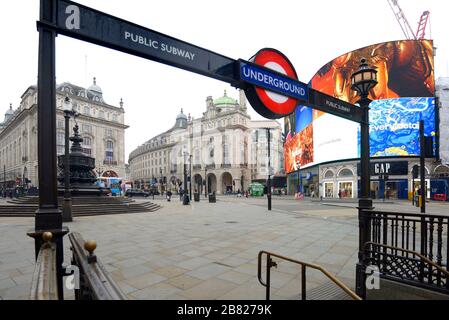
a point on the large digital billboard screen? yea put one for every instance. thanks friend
(403, 96)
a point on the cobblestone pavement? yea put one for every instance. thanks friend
(204, 251)
(200, 251)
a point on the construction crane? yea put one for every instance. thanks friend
(405, 25)
(421, 32)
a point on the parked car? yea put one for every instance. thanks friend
(136, 193)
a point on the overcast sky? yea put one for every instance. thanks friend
(309, 33)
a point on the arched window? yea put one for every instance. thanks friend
(345, 173)
(329, 174)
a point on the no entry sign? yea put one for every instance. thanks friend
(272, 94)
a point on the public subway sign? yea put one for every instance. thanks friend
(334, 106)
(84, 23)
(269, 78)
(274, 90)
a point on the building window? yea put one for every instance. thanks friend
(60, 139)
(328, 190)
(345, 173)
(226, 154)
(345, 190)
(87, 145)
(87, 110)
(114, 117)
(101, 114)
(86, 128)
(328, 175)
(60, 124)
(108, 132)
(109, 153)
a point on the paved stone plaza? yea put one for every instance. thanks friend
(201, 251)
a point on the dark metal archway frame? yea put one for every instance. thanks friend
(77, 21)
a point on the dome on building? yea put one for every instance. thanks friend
(181, 115)
(95, 89)
(225, 100)
(181, 120)
(10, 111)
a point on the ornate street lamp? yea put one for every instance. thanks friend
(67, 204)
(363, 80)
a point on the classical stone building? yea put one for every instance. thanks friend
(101, 126)
(223, 147)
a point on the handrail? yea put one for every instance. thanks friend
(44, 283)
(96, 283)
(304, 265)
(427, 260)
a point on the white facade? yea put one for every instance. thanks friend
(442, 92)
(101, 127)
(223, 145)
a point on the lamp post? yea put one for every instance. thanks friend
(190, 183)
(161, 181)
(363, 80)
(269, 169)
(205, 182)
(67, 204)
(298, 185)
(186, 196)
(4, 180)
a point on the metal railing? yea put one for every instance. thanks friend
(44, 285)
(406, 266)
(95, 282)
(270, 263)
(422, 233)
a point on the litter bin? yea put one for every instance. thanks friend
(186, 199)
(196, 197)
(212, 198)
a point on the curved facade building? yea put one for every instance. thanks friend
(224, 150)
(322, 150)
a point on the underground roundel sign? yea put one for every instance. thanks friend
(272, 94)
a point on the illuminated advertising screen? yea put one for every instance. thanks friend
(403, 96)
(394, 125)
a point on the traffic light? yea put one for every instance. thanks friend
(428, 147)
(415, 171)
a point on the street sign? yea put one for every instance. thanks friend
(337, 107)
(272, 81)
(273, 89)
(84, 23)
